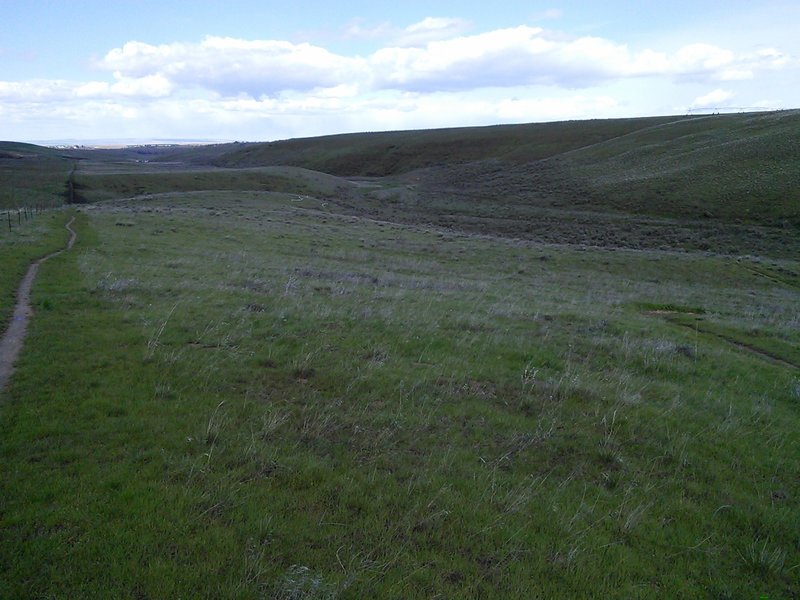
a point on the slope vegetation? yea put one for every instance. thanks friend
(727, 184)
(95, 183)
(393, 153)
(32, 175)
(733, 167)
(744, 167)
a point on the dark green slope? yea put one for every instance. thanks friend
(21, 150)
(734, 167)
(743, 167)
(392, 153)
(32, 175)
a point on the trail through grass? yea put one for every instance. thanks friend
(12, 339)
(262, 397)
(20, 246)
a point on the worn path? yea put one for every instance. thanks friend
(11, 342)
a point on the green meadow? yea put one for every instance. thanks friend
(494, 364)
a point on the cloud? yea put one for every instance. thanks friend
(431, 29)
(356, 29)
(715, 99)
(230, 66)
(35, 90)
(428, 56)
(503, 58)
(291, 114)
(534, 56)
(417, 34)
(59, 90)
(550, 14)
(433, 73)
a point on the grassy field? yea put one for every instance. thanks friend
(32, 176)
(234, 391)
(32, 184)
(724, 168)
(393, 153)
(22, 244)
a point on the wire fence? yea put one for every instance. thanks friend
(18, 217)
(718, 110)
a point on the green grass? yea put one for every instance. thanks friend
(32, 176)
(513, 362)
(774, 344)
(731, 167)
(263, 396)
(104, 181)
(22, 244)
(392, 153)
(742, 168)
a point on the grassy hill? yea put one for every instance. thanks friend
(20, 150)
(95, 185)
(727, 184)
(510, 362)
(736, 167)
(32, 175)
(393, 153)
(742, 167)
(248, 395)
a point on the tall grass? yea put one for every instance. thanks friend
(262, 398)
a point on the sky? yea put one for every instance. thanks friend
(247, 70)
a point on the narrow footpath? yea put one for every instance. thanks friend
(11, 342)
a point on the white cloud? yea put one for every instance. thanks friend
(36, 90)
(92, 89)
(552, 13)
(58, 90)
(431, 29)
(433, 74)
(153, 86)
(230, 66)
(715, 99)
(531, 55)
(698, 58)
(772, 57)
(417, 34)
(292, 114)
(357, 29)
(428, 56)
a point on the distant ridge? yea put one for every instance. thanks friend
(114, 143)
(735, 167)
(739, 169)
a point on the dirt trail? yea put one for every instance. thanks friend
(11, 342)
(762, 353)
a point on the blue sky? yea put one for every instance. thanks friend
(248, 70)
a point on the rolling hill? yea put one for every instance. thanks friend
(736, 167)
(523, 361)
(722, 183)
(32, 175)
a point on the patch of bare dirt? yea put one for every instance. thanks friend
(11, 342)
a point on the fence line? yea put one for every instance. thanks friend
(17, 217)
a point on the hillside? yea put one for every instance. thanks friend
(21, 150)
(393, 153)
(725, 183)
(736, 167)
(742, 168)
(515, 372)
(32, 175)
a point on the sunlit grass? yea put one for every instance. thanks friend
(244, 395)
(20, 245)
